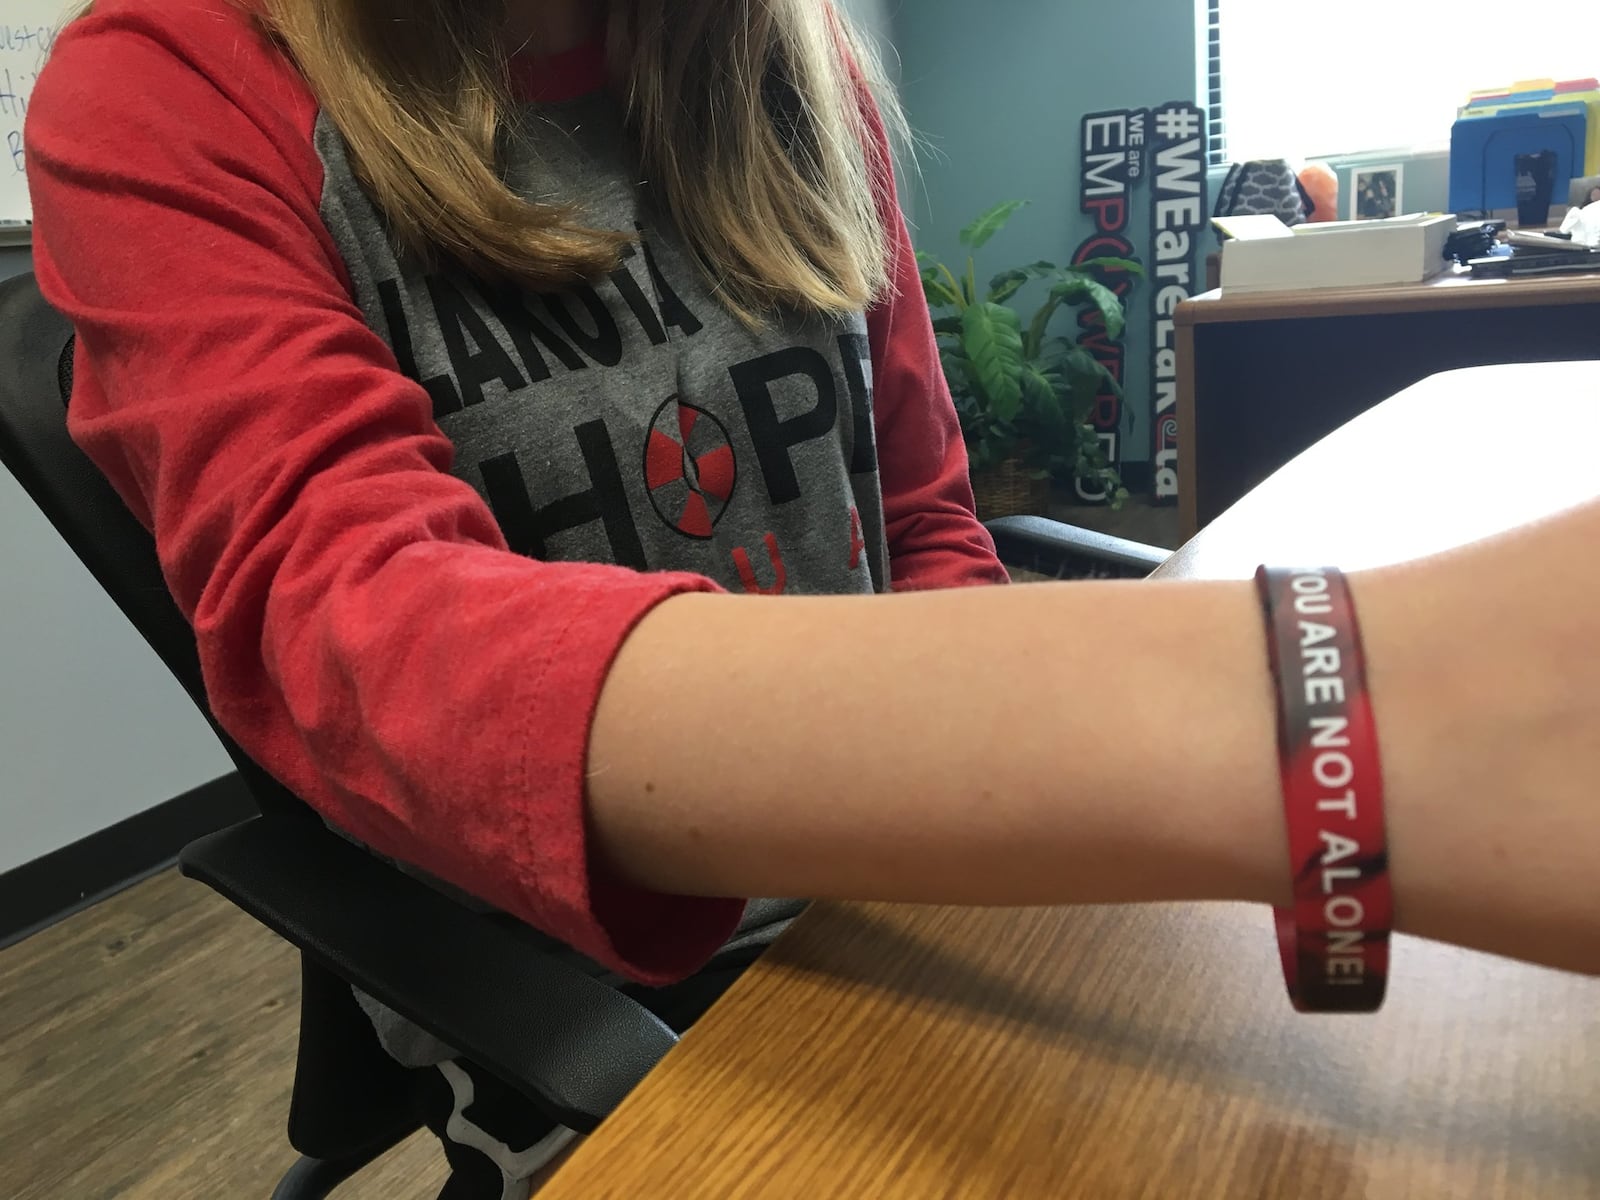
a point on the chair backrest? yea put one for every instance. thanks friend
(36, 351)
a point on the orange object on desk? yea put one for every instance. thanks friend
(1321, 183)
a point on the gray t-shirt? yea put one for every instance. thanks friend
(635, 421)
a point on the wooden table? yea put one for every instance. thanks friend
(1263, 376)
(885, 1052)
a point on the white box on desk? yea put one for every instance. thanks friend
(1265, 255)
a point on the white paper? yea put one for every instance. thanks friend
(1583, 224)
(27, 31)
(1250, 227)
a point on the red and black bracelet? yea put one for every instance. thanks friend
(1334, 941)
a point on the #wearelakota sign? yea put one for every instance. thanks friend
(1162, 149)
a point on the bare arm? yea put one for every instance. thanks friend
(973, 747)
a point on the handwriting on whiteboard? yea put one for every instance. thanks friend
(23, 49)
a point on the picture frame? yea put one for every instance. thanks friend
(1377, 192)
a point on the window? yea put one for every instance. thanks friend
(1300, 82)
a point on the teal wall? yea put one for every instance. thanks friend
(997, 89)
(875, 16)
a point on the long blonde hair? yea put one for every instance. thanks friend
(748, 117)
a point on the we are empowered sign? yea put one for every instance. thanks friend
(1154, 159)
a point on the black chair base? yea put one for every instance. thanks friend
(315, 1178)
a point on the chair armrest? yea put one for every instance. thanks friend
(569, 1042)
(1053, 548)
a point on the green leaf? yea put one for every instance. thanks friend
(1077, 362)
(993, 337)
(1041, 322)
(1098, 294)
(947, 325)
(959, 372)
(954, 356)
(1007, 284)
(1114, 265)
(974, 236)
(1040, 392)
(934, 288)
(1086, 379)
(957, 298)
(1077, 376)
(1053, 351)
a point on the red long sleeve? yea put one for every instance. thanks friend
(935, 540)
(364, 632)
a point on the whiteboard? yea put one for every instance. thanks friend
(27, 31)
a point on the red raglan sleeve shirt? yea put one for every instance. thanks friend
(365, 633)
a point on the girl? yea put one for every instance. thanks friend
(476, 362)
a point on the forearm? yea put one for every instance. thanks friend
(969, 746)
(976, 747)
(1484, 673)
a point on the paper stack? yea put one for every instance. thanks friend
(1264, 255)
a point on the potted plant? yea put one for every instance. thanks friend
(1024, 393)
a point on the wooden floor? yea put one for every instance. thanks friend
(146, 1053)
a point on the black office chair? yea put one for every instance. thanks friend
(570, 1043)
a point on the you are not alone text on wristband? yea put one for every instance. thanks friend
(1334, 940)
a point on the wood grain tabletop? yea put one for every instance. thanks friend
(887, 1052)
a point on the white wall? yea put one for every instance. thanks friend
(93, 729)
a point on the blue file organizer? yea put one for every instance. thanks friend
(1483, 152)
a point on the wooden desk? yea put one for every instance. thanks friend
(1263, 376)
(890, 1052)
